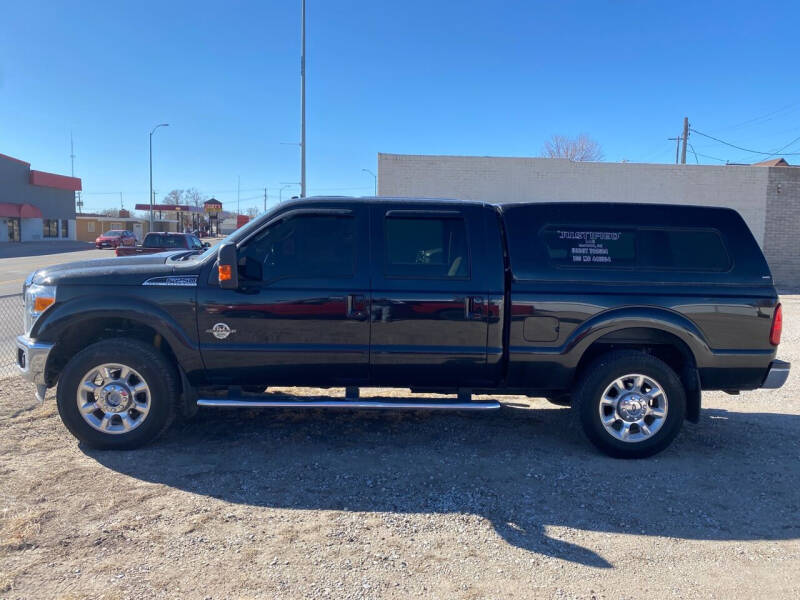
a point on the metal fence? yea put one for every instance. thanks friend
(11, 311)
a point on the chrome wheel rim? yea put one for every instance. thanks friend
(113, 398)
(633, 408)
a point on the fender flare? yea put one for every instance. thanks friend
(660, 319)
(53, 323)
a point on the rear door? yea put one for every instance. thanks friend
(300, 315)
(429, 308)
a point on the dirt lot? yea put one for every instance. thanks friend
(374, 505)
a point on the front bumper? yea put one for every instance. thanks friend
(31, 362)
(777, 375)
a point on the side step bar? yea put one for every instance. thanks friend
(361, 404)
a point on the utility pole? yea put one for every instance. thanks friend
(238, 182)
(303, 98)
(265, 199)
(685, 139)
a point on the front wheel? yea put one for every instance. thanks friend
(630, 404)
(117, 394)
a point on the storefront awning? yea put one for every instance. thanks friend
(22, 211)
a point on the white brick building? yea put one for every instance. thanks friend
(767, 197)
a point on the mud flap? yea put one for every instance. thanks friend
(691, 382)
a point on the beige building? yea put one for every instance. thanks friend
(88, 226)
(766, 195)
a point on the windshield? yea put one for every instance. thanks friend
(113, 233)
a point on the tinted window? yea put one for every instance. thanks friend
(643, 248)
(305, 247)
(589, 246)
(154, 240)
(174, 241)
(113, 233)
(194, 243)
(426, 247)
(64, 228)
(684, 249)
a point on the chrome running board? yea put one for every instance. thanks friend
(361, 404)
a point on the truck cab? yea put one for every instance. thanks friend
(625, 312)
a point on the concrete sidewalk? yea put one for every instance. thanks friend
(18, 249)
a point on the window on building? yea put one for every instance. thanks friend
(426, 248)
(50, 228)
(90, 226)
(64, 228)
(304, 247)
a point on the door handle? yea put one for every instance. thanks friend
(356, 307)
(473, 308)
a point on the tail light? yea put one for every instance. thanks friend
(777, 326)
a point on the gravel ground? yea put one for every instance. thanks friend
(513, 504)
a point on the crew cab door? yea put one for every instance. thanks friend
(300, 314)
(429, 307)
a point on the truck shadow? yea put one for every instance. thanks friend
(734, 476)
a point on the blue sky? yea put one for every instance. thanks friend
(407, 76)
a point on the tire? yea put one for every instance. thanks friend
(127, 415)
(560, 400)
(611, 387)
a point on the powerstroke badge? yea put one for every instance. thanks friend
(220, 331)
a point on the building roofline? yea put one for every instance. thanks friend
(7, 157)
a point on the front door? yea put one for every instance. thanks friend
(137, 231)
(300, 315)
(13, 230)
(429, 307)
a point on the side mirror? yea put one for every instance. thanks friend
(227, 267)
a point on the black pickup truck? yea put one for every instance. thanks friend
(626, 312)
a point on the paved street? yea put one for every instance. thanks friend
(13, 271)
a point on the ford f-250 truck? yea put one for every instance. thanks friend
(627, 312)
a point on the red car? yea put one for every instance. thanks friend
(115, 238)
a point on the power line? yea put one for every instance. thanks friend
(722, 160)
(764, 117)
(711, 137)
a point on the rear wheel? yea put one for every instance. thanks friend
(630, 404)
(117, 394)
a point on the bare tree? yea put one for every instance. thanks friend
(252, 212)
(193, 197)
(580, 149)
(175, 197)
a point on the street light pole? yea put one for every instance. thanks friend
(151, 170)
(280, 192)
(375, 177)
(303, 99)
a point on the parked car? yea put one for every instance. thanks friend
(164, 242)
(627, 312)
(115, 238)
